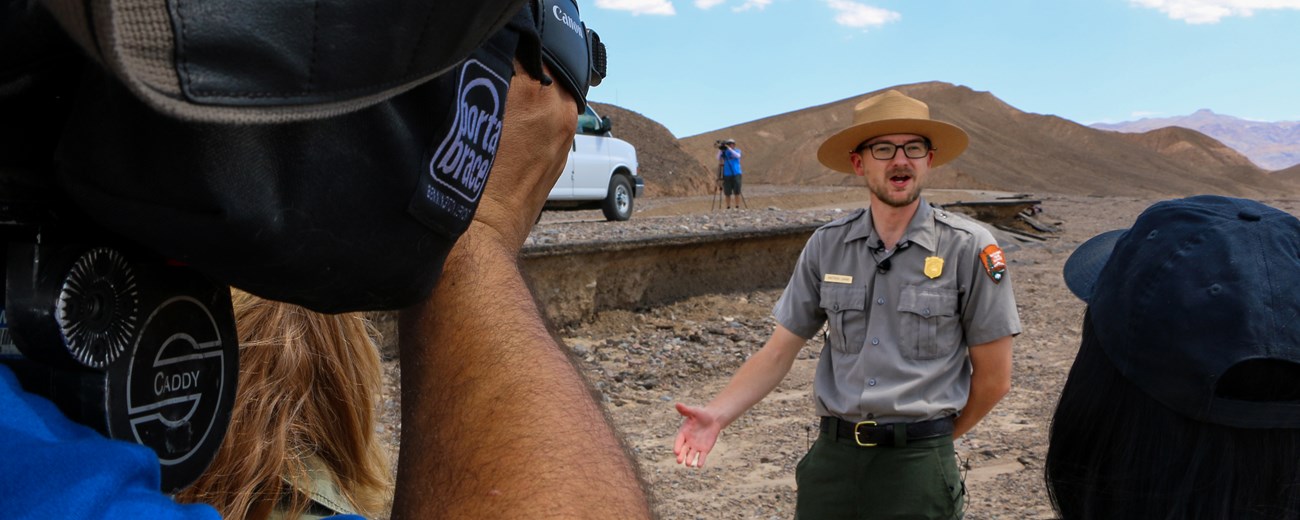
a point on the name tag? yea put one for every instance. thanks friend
(838, 278)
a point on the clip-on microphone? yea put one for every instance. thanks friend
(883, 266)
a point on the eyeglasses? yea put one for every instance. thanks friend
(885, 151)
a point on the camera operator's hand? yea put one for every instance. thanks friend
(535, 143)
(478, 363)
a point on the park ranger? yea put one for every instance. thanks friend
(920, 316)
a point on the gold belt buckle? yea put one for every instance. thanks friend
(858, 439)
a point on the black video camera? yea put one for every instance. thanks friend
(720, 144)
(121, 340)
(574, 52)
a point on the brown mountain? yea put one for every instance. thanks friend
(1272, 145)
(1290, 175)
(667, 168)
(1010, 150)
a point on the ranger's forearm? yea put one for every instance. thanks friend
(758, 376)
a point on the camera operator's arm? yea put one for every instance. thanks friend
(496, 422)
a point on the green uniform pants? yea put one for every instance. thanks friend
(838, 479)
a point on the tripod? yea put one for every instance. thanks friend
(717, 191)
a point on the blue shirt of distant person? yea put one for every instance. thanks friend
(729, 172)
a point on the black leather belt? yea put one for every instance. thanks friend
(869, 434)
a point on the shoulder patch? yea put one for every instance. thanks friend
(994, 263)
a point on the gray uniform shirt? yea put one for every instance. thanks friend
(897, 348)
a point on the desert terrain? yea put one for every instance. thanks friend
(1010, 150)
(642, 361)
(643, 358)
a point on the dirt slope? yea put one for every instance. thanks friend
(667, 168)
(1290, 175)
(1010, 150)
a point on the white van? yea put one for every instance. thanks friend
(601, 172)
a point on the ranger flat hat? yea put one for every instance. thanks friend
(892, 113)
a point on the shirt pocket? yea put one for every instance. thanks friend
(844, 307)
(929, 327)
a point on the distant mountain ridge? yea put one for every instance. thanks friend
(1271, 145)
(1010, 150)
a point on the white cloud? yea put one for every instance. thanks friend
(853, 14)
(749, 4)
(1211, 11)
(660, 7)
(707, 4)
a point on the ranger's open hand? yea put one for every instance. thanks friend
(697, 435)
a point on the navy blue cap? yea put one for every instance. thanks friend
(1196, 286)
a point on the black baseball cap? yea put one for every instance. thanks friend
(336, 212)
(1196, 287)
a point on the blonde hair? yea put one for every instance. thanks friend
(309, 384)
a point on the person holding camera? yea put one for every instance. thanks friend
(920, 316)
(366, 186)
(729, 170)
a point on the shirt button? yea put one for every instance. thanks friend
(871, 382)
(875, 341)
(925, 311)
(835, 307)
(880, 301)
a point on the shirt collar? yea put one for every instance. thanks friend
(920, 230)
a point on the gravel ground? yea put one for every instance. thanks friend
(644, 361)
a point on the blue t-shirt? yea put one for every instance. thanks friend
(51, 467)
(730, 162)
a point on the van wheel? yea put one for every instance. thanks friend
(618, 203)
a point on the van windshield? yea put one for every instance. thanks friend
(588, 122)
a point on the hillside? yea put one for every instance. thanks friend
(1271, 145)
(1190, 146)
(1010, 150)
(1290, 175)
(667, 168)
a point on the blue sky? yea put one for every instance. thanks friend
(700, 65)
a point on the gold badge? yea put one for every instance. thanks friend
(933, 266)
(838, 278)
